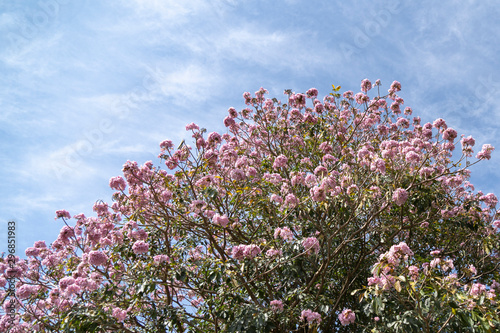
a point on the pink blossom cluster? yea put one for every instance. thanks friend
(311, 245)
(221, 220)
(400, 196)
(276, 306)
(119, 314)
(345, 160)
(284, 233)
(140, 247)
(387, 263)
(366, 85)
(310, 316)
(117, 183)
(62, 214)
(477, 288)
(280, 162)
(160, 258)
(346, 317)
(274, 253)
(241, 252)
(485, 152)
(97, 258)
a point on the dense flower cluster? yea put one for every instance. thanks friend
(347, 317)
(310, 316)
(274, 225)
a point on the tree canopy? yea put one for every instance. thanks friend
(341, 214)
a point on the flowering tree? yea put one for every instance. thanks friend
(335, 215)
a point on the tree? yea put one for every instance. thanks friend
(338, 215)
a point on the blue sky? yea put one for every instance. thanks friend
(87, 85)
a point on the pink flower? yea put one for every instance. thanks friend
(248, 98)
(73, 289)
(361, 98)
(347, 317)
(245, 251)
(192, 126)
(374, 280)
(285, 233)
(232, 112)
(197, 206)
(238, 252)
(65, 282)
(435, 262)
(32, 252)
(166, 144)
(412, 157)
(477, 289)
(403, 122)
(276, 198)
(435, 253)
(319, 108)
(490, 199)
(251, 251)
(62, 213)
(400, 196)
(366, 85)
(229, 121)
(449, 134)
(485, 153)
(447, 264)
(280, 161)
(395, 86)
(413, 271)
(214, 138)
(274, 253)
(310, 316)
(311, 244)
(496, 224)
(220, 220)
(97, 258)
(320, 171)
(318, 193)
(378, 165)
(237, 174)
(291, 200)
(348, 94)
(25, 291)
(495, 285)
(117, 183)
(140, 247)
(312, 93)
(119, 314)
(160, 258)
(101, 208)
(473, 269)
(40, 245)
(468, 141)
(439, 123)
(276, 306)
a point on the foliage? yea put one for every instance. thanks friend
(275, 226)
